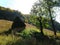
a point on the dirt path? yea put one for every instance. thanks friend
(30, 26)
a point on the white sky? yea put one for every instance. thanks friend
(57, 13)
(22, 5)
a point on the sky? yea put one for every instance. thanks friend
(57, 13)
(24, 6)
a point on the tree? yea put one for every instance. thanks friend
(37, 11)
(50, 5)
(44, 9)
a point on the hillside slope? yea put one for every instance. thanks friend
(5, 25)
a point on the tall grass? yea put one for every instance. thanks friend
(25, 37)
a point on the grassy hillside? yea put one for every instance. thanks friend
(18, 40)
(5, 25)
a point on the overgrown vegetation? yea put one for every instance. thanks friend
(28, 37)
(40, 27)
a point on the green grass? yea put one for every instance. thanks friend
(28, 40)
(5, 25)
(8, 40)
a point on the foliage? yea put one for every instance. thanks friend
(26, 37)
(9, 14)
(27, 33)
(43, 9)
(19, 40)
(34, 21)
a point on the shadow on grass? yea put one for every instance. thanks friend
(37, 39)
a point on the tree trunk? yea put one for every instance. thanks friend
(52, 21)
(41, 27)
